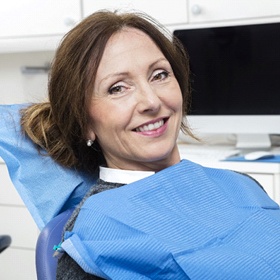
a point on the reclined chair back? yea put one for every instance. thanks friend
(49, 237)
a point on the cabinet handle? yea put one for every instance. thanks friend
(196, 10)
(35, 69)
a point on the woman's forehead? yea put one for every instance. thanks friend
(127, 45)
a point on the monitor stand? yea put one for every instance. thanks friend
(253, 141)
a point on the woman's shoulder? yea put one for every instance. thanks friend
(99, 187)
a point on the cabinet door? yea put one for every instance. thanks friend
(16, 264)
(166, 12)
(220, 10)
(19, 224)
(29, 18)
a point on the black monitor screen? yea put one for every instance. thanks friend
(235, 70)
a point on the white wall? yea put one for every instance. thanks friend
(16, 87)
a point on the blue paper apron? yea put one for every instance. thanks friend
(185, 222)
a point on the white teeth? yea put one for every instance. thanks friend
(151, 126)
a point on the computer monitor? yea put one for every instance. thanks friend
(235, 78)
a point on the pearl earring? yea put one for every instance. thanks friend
(89, 143)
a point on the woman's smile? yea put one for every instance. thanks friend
(153, 127)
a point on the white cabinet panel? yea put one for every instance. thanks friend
(223, 10)
(17, 222)
(17, 261)
(17, 264)
(38, 17)
(166, 12)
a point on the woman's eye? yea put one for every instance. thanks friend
(160, 75)
(116, 89)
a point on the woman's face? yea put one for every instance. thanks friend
(136, 106)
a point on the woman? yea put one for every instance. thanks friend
(62, 125)
(118, 92)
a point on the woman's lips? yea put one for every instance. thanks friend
(156, 127)
(150, 126)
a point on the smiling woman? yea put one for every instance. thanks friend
(83, 87)
(118, 92)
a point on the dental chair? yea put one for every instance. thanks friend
(49, 237)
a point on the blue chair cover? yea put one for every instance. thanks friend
(45, 187)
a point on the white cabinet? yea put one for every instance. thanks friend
(16, 264)
(39, 21)
(226, 10)
(18, 261)
(38, 25)
(37, 17)
(166, 12)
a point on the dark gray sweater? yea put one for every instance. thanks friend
(67, 268)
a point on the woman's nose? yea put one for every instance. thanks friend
(148, 99)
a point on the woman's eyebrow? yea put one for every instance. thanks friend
(114, 75)
(158, 61)
(123, 74)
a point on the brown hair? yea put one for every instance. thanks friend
(60, 126)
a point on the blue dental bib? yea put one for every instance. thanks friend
(184, 222)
